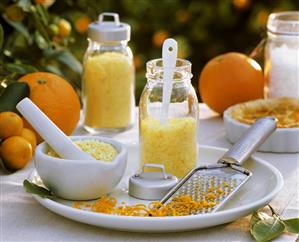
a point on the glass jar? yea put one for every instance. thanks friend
(108, 77)
(282, 55)
(174, 144)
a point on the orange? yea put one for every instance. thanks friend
(229, 79)
(14, 13)
(10, 124)
(56, 98)
(16, 152)
(53, 29)
(29, 135)
(64, 28)
(241, 4)
(182, 16)
(27, 125)
(262, 18)
(81, 24)
(46, 3)
(40, 1)
(159, 37)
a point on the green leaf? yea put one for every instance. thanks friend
(65, 57)
(19, 26)
(292, 225)
(256, 217)
(267, 229)
(53, 69)
(38, 190)
(1, 36)
(12, 94)
(68, 59)
(51, 53)
(40, 40)
(4, 168)
(39, 24)
(20, 68)
(42, 13)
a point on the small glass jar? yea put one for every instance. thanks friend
(282, 55)
(108, 77)
(173, 144)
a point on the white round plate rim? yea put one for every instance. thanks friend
(111, 221)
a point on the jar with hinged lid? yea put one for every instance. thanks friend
(108, 77)
(282, 55)
(173, 144)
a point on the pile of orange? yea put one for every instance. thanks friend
(56, 98)
(17, 143)
(229, 79)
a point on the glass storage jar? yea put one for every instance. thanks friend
(282, 55)
(173, 144)
(108, 77)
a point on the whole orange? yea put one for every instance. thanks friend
(159, 37)
(30, 136)
(14, 13)
(27, 125)
(229, 79)
(45, 3)
(82, 23)
(56, 98)
(15, 152)
(10, 124)
(64, 27)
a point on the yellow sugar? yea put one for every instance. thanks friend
(99, 150)
(174, 145)
(108, 90)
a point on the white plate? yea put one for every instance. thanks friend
(265, 183)
(283, 140)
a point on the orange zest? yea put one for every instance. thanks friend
(179, 206)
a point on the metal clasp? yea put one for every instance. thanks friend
(159, 166)
(114, 15)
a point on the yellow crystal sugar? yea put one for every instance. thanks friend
(99, 150)
(108, 90)
(174, 144)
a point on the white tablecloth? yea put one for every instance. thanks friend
(23, 219)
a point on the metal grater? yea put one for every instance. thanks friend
(214, 185)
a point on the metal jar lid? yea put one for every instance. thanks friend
(151, 185)
(109, 30)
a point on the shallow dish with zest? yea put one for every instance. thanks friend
(238, 118)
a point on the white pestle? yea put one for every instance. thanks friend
(169, 55)
(58, 141)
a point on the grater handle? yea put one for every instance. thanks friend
(250, 141)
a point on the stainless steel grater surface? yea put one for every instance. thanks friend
(212, 186)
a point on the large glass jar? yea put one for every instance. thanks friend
(108, 77)
(282, 55)
(173, 144)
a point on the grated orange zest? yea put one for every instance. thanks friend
(179, 206)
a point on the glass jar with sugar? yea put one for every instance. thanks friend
(108, 77)
(173, 144)
(282, 55)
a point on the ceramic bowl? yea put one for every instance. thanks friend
(81, 179)
(283, 140)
